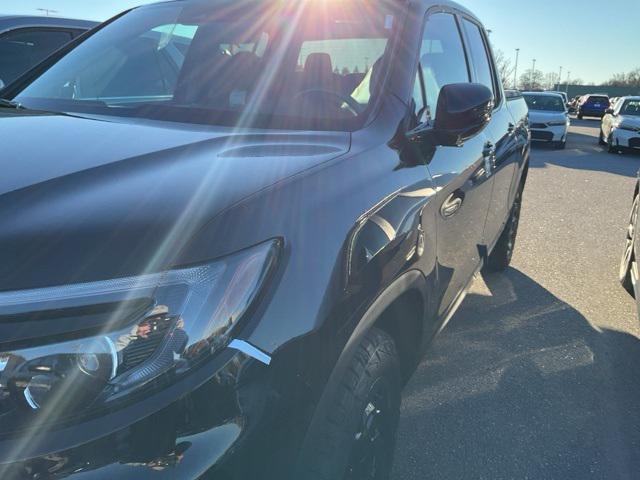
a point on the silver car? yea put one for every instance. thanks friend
(548, 118)
(620, 129)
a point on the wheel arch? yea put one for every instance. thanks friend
(407, 294)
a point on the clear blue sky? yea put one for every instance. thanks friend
(567, 33)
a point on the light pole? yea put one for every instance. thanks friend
(533, 72)
(560, 78)
(515, 71)
(568, 79)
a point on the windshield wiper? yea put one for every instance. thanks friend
(4, 103)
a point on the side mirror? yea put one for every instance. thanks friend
(609, 111)
(464, 110)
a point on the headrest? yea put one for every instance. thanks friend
(318, 64)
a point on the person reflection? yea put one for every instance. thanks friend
(159, 329)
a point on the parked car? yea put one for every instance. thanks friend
(548, 118)
(573, 104)
(593, 106)
(26, 41)
(564, 96)
(229, 261)
(620, 128)
(629, 263)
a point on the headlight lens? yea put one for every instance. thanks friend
(156, 326)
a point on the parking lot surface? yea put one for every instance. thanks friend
(538, 374)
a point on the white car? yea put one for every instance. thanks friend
(548, 118)
(620, 127)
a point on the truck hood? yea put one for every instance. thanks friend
(536, 116)
(85, 198)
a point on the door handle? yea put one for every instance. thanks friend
(489, 154)
(452, 204)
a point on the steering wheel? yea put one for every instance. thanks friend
(354, 107)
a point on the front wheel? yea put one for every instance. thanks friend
(502, 253)
(628, 254)
(561, 145)
(355, 440)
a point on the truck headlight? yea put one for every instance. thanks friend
(154, 328)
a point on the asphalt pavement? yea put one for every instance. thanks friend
(538, 374)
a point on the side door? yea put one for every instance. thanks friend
(460, 174)
(506, 156)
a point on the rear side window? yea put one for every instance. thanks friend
(480, 58)
(22, 49)
(442, 62)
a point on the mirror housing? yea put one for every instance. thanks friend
(609, 111)
(464, 110)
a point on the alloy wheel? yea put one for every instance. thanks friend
(372, 450)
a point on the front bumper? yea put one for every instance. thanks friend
(626, 138)
(550, 134)
(214, 429)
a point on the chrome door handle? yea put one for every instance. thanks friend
(489, 154)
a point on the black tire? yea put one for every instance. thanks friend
(500, 257)
(580, 116)
(628, 254)
(355, 439)
(561, 145)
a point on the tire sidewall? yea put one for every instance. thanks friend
(327, 449)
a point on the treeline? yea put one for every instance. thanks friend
(629, 79)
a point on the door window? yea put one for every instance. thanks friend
(480, 58)
(442, 62)
(24, 48)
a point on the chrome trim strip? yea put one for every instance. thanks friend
(30, 400)
(250, 350)
(113, 351)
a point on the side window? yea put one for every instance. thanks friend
(22, 49)
(480, 58)
(148, 67)
(442, 62)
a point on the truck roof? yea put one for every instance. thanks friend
(11, 22)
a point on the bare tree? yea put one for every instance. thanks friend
(630, 79)
(550, 81)
(505, 68)
(532, 80)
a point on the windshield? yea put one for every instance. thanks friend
(547, 103)
(631, 107)
(598, 99)
(304, 65)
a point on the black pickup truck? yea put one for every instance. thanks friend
(230, 229)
